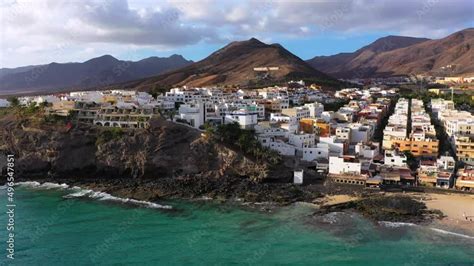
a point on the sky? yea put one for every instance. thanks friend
(43, 31)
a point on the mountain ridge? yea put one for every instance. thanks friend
(234, 65)
(95, 72)
(399, 55)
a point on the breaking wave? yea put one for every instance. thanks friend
(441, 231)
(45, 185)
(395, 224)
(451, 233)
(80, 193)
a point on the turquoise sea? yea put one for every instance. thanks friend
(55, 225)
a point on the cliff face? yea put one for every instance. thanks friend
(166, 150)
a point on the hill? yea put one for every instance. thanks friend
(396, 55)
(96, 72)
(235, 64)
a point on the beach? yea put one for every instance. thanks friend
(455, 207)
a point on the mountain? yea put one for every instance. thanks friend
(96, 72)
(7, 71)
(396, 55)
(234, 65)
(349, 64)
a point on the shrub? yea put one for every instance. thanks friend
(232, 134)
(109, 134)
(14, 102)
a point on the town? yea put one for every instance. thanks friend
(371, 137)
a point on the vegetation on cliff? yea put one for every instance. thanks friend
(108, 134)
(244, 140)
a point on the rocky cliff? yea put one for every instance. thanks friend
(166, 160)
(164, 150)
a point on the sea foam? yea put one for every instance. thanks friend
(80, 192)
(395, 224)
(45, 185)
(107, 197)
(451, 233)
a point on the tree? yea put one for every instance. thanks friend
(44, 104)
(14, 102)
(412, 162)
(209, 129)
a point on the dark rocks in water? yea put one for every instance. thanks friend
(225, 188)
(392, 208)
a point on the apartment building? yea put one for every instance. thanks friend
(316, 126)
(465, 178)
(125, 115)
(344, 165)
(297, 112)
(464, 147)
(315, 109)
(395, 158)
(421, 141)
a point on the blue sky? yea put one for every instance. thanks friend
(305, 48)
(44, 31)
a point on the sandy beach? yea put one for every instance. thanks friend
(458, 209)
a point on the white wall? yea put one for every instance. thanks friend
(338, 166)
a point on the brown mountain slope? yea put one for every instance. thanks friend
(96, 72)
(234, 65)
(408, 56)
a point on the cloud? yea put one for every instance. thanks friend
(36, 31)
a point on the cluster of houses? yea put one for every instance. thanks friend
(214, 106)
(294, 122)
(459, 127)
(114, 108)
(340, 143)
(410, 130)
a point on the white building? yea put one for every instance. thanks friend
(367, 150)
(278, 145)
(395, 158)
(313, 153)
(246, 119)
(315, 109)
(343, 133)
(4, 103)
(301, 140)
(360, 133)
(277, 117)
(327, 116)
(336, 147)
(446, 163)
(344, 165)
(192, 113)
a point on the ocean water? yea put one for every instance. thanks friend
(56, 225)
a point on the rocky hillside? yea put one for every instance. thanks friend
(234, 65)
(165, 150)
(396, 55)
(96, 72)
(166, 161)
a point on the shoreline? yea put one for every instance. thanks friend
(458, 210)
(452, 223)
